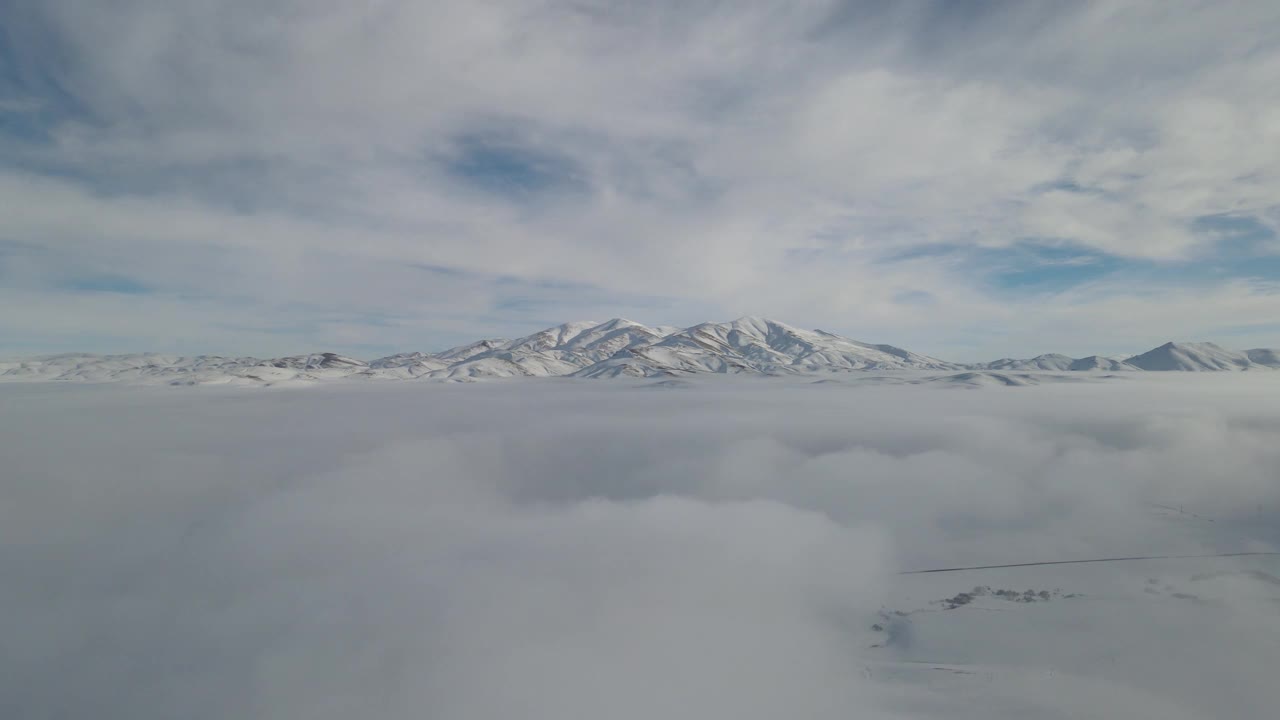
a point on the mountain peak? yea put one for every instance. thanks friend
(616, 347)
(758, 321)
(1192, 357)
(1264, 356)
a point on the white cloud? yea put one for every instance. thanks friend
(710, 143)
(720, 551)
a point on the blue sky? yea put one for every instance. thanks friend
(971, 180)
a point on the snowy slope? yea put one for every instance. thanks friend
(466, 352)
(1191, 357)
(1264, 356)
(622, 347)
(408, 359)
(1051, 361)
(326, 361)
(150, 368)
(560, 350)
(753, 344)
(551, 339)
(1098, 362)
(509, 364)
(603, 341)
(616, 348)
(405, 366)
(80, 367)
(1055, 362)
(999, 379)
(583, 343)
(630, 366)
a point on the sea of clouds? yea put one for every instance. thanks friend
(562, 549)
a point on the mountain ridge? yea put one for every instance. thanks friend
(614, 348)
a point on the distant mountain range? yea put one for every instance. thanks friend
(1184, 357)
(615, 348)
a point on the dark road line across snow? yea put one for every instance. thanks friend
(1092, 560)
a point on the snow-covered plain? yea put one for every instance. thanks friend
(703, 547)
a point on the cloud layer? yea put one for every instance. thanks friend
(564, 549)
(393, 175)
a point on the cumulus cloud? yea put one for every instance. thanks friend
(553, 549)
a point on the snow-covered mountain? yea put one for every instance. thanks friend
(561, 350)
(757, 345)
(405, 366)
(1098, 362)
(1264, 356)
(586, 341)
(1170, 357)
(1051, 361)
(1192, 357)
(466, 352)
(325, 360)
(614, 348)
(178, 370)
(1058, 363)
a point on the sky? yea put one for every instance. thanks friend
(971, 180)
(722, 551)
